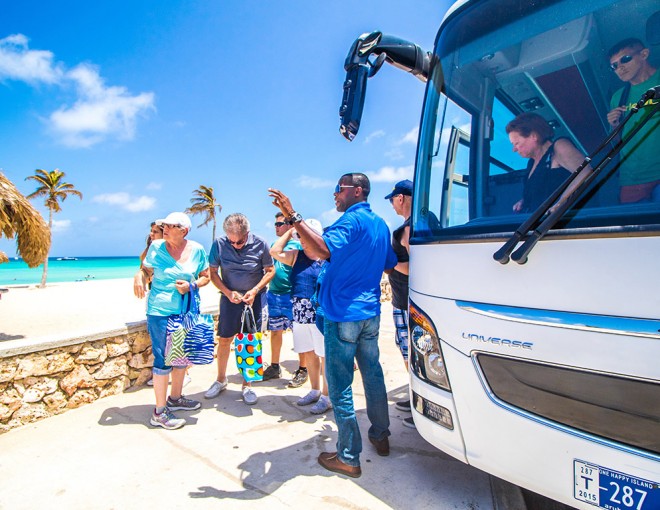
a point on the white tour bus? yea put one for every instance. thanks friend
(537, 362)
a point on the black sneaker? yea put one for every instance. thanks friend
(299, 378)
(408, 422)
(403, 405)
(272, 372)
(183, 404)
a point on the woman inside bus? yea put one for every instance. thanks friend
(550, 162)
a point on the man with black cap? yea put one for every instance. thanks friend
(401, 200)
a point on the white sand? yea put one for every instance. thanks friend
(66, 310)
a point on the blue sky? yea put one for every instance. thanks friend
(141, 102)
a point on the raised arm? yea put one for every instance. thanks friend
(277, 250)
(315, 246)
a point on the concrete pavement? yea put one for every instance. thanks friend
(105, 455)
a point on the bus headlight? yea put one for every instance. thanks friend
(426, 359)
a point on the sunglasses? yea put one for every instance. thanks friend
(171, 225)
(338, 187)
(281, 223)
(238, 243)
(623, 60)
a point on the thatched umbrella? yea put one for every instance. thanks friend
(18, 218)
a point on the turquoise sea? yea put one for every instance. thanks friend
(69, 269)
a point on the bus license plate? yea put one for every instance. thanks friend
(606, 488)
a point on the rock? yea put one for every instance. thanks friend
(118, 348)
(40, 364)
(9, 395)
(33, 395)
(55, 402)
(140, 341)
(7, 410)
(81, 397)
(112, 368)
(91, 355)
(78, 378)
(142, 360)
(145, 375)
(29, 413)
(46, 385)
(8, 367)
(115, 387)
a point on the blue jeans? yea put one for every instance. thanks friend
(157, 328)
(344, 342)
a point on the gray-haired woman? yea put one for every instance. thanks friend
(175, 266)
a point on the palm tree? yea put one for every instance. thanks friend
(19, 219)
(204, 203)
(54, 189)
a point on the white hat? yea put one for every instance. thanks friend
(315, 225)
(176, 218)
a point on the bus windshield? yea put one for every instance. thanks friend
(513, 107)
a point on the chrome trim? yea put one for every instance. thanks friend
(644, 328)
(552, 424)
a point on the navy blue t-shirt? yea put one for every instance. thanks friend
(241, 269)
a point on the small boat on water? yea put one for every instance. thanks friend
(67, 258)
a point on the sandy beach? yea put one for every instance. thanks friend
(67, 310)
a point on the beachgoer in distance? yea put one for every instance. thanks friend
(359, 249)
(241, 268)
(307, 339)
(175, 266)
(280, 313)
(401, 200)
(550, 162)
(639, 170)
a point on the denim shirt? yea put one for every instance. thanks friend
(304, 274)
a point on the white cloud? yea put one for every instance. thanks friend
(306, 181)
(375, 135)
(329, 217)
(392, 174)
(126, 201)
(98, 113)
(17, 62)
(395, 154)
(61, 225)
(154, 186)
(143, 203)
(410, 137)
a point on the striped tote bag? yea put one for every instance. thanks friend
(190, 335)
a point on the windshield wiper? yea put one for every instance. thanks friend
(538, 225)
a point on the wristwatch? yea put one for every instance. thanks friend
(295, 217)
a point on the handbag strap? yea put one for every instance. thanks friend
(190, 302)
(247, 319)
(194, 299)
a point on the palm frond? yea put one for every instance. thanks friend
(20, 220)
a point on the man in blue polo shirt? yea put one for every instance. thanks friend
(358, 249)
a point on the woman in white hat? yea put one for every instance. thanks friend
(175, 266)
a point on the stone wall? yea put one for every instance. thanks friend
(47, 380)
(39, 384)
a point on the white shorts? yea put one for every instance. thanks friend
(307, 337)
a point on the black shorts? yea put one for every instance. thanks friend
(229, 318)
